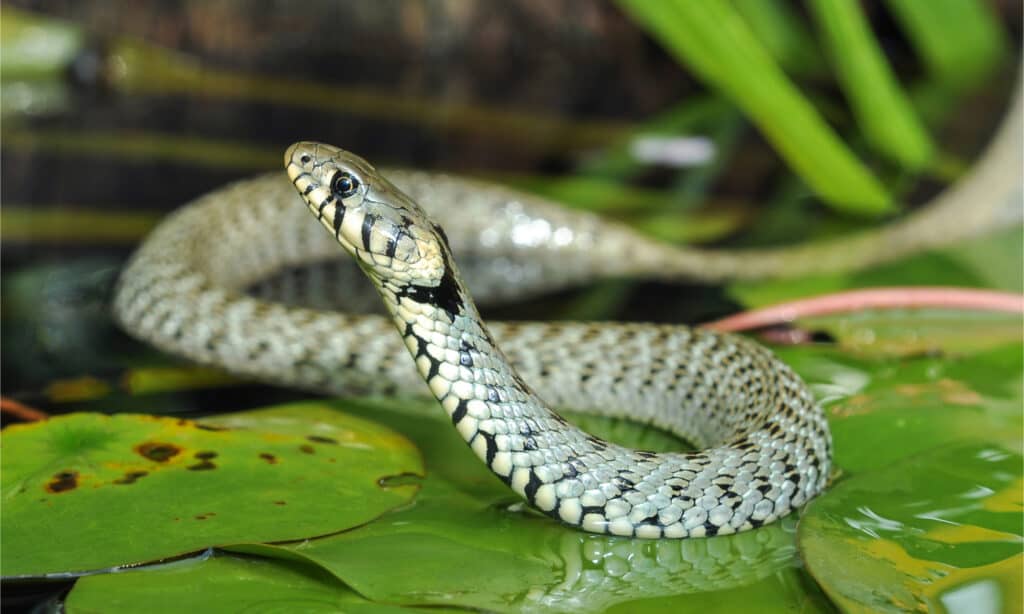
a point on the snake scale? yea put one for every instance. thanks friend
(765, 447)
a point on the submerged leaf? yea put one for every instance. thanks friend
(221, 584)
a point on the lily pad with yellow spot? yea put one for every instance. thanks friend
(88, 491)
(938, 532)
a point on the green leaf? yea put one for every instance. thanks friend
(780, 30)
(713, 40)
(882, 411)
(468, 541)
(882, 109)
(908, 332)
(988, 262)
(961, 41)
(222, 584)
(939, 532)
(115, 490)
(32, 47)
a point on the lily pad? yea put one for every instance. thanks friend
(882, 411)
(906, 332)
(116, 490)
(467, 541)
(222, 584)
(938, 532)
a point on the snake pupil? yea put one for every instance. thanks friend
(344, 184)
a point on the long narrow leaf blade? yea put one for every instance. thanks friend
(981, 43)
(783, 34)
(713, 40)
(883, 111)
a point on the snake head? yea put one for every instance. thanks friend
(385, 230)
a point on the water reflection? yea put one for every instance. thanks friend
(598, 572)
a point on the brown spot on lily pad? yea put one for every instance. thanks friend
(156, 451)
(319, 439)
(211, 427)
(280, 503)
(270, 458)
(308, 449)
(204, 463)
(401, 479)
(63, 481)
(131, 477)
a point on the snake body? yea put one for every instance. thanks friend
(765, 445)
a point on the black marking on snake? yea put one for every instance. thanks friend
(465, 358)
(339, 217)
(710, 528)
(435, 365)
(531, 486)
(444, 295)
(309, 188)
(460, 412)
(623, 484)
(368, 222)
(326, 201)
(444, 238)
(421, 345)
(492, 448)
(392, 243)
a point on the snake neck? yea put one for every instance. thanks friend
(504, 422)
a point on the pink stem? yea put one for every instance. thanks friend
(871, 298)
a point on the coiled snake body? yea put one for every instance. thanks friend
(765, 443)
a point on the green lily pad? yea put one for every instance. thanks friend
(905, 332)
(221, 584)
(884, 410)
(938, 532)
(467, 541)
(115, 490)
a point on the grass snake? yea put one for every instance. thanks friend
(764, 444)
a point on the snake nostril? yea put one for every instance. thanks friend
(304, 159)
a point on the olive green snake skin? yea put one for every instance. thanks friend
(764, 444)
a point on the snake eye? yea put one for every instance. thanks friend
(344, 184)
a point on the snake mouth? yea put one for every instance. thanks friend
(307, 168)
